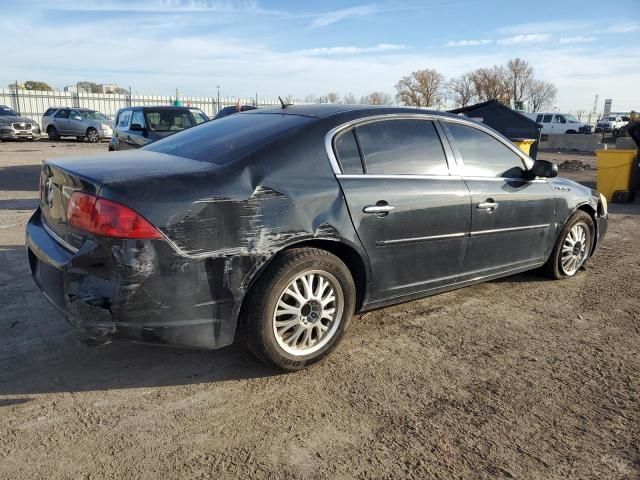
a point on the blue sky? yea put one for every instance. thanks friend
(292, 47)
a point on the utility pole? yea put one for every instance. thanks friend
(218, 110)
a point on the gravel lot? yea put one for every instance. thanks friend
(517, 378)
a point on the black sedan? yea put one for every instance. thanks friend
(282, 223)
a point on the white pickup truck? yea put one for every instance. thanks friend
(611, 124)
(554, 122)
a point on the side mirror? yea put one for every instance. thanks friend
(544, 168)
(136, 127)
(77, 117)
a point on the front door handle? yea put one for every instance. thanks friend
(488, 205)
(377, 208)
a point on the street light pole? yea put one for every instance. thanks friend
(218, 87)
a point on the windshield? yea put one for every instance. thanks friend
(571, 118)
(93, 115)
(169, 120)
(7, 112)
(198, 115)
(228, 138)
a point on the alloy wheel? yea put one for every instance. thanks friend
(574, 249)
(92, 135)
(308, 312)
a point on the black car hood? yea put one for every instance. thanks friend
(14, 119)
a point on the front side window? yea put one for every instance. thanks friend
(484, 155)
(559, 119)
(402, 147)
(348, 153)
(93, 115)
(74, 115)
(138, 117)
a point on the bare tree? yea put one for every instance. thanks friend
(541, 94)
(349, 99)
(333, 97)
(462, 89)
(422, 88)
(311, 98)
(519, 75)
(377, 98)
(491, 84)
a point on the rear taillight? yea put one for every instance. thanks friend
(107, 218)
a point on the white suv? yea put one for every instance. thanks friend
(553, 123)
(611, 124)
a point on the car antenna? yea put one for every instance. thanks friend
(284, 105)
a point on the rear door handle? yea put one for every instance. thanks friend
(488, 205)
(377, 209)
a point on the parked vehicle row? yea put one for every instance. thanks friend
(611, 124)
(287, 221)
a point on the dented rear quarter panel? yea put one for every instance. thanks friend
(225, 224)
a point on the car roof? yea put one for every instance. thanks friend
(327, 110)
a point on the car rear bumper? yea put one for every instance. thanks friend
(139, 290)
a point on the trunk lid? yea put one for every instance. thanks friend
(61, 177)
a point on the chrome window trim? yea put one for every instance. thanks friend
(396, 176)
(331, 134)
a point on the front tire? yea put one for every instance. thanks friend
(572, 248)
(92, 135)
(300, 309)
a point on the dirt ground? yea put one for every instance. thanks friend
(517, 378)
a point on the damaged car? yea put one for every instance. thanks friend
(277, 225)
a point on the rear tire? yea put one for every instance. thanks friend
(573, 247)
(571, 132)
(52, 132)
(300, 309)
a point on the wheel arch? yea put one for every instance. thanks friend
(354, 261)
(593, 213)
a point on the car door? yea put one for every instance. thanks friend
(61, 121)
(76, 124)
(411, 215)
(547, 123)
(513, 218)
(137, 138)
(559, 124)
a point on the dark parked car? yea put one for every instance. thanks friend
(16, 127)
(226, 111)
(138, 126)
(287, 221)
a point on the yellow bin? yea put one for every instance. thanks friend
(523, 144)
(615, 169)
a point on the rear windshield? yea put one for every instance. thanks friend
(221, 141)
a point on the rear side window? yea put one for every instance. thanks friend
(62, 114)
(547, 118)
(402, 147)
(348, 153)
(539, 118)
(48, 112)
(483, 155)
(138, 117)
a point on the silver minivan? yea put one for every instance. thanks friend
(76, 122)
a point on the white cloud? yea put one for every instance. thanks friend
(522, 39)
(381, 47)
(560, 26)
(329, 18)
(469, 43)
(575, 39)
(164, 6)
(626, 27)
